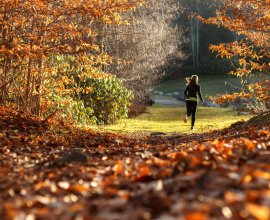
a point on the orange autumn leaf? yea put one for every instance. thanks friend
(260, 212)
(250, 144)
(262, 174)
(142, 172)
(78, 188)
(118, 168)
(196, 216)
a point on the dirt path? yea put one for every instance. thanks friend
(165, 101)
(168, 100)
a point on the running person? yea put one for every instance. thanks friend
(192, 90)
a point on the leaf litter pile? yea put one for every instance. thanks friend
(49, 171)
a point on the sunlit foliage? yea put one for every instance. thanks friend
(250, 20)
(31, 32)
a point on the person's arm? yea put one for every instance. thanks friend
(185, 92)
(200, 95)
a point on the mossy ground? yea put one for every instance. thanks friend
(169, 118)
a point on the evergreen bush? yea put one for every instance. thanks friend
(109, 99)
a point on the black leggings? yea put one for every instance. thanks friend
(191, 110)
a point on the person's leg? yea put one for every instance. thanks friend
(193, 118)
(189, 110)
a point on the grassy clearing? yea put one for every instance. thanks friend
(211, 85)
(161, 118)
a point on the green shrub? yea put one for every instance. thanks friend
(69, 109)
(109, 99)
(88, 94)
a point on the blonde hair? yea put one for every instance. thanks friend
(193, 80)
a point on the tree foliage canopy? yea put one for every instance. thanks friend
(32, 31)
(250, 20)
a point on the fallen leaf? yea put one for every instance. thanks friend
(260, 212)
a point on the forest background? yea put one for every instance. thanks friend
(98, 62)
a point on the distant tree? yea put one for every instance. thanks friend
(144, 46)
(200, 36)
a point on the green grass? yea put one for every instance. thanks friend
(169, 118)
(211, 85)
(161, 118)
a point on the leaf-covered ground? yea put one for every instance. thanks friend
(50, 171)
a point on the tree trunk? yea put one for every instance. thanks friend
(37, 98)
(193, 51)
(27, 86)
(28, 76)
(5, 69)
(4, 88)
(197, 36)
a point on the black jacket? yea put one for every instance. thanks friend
(191, 92)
